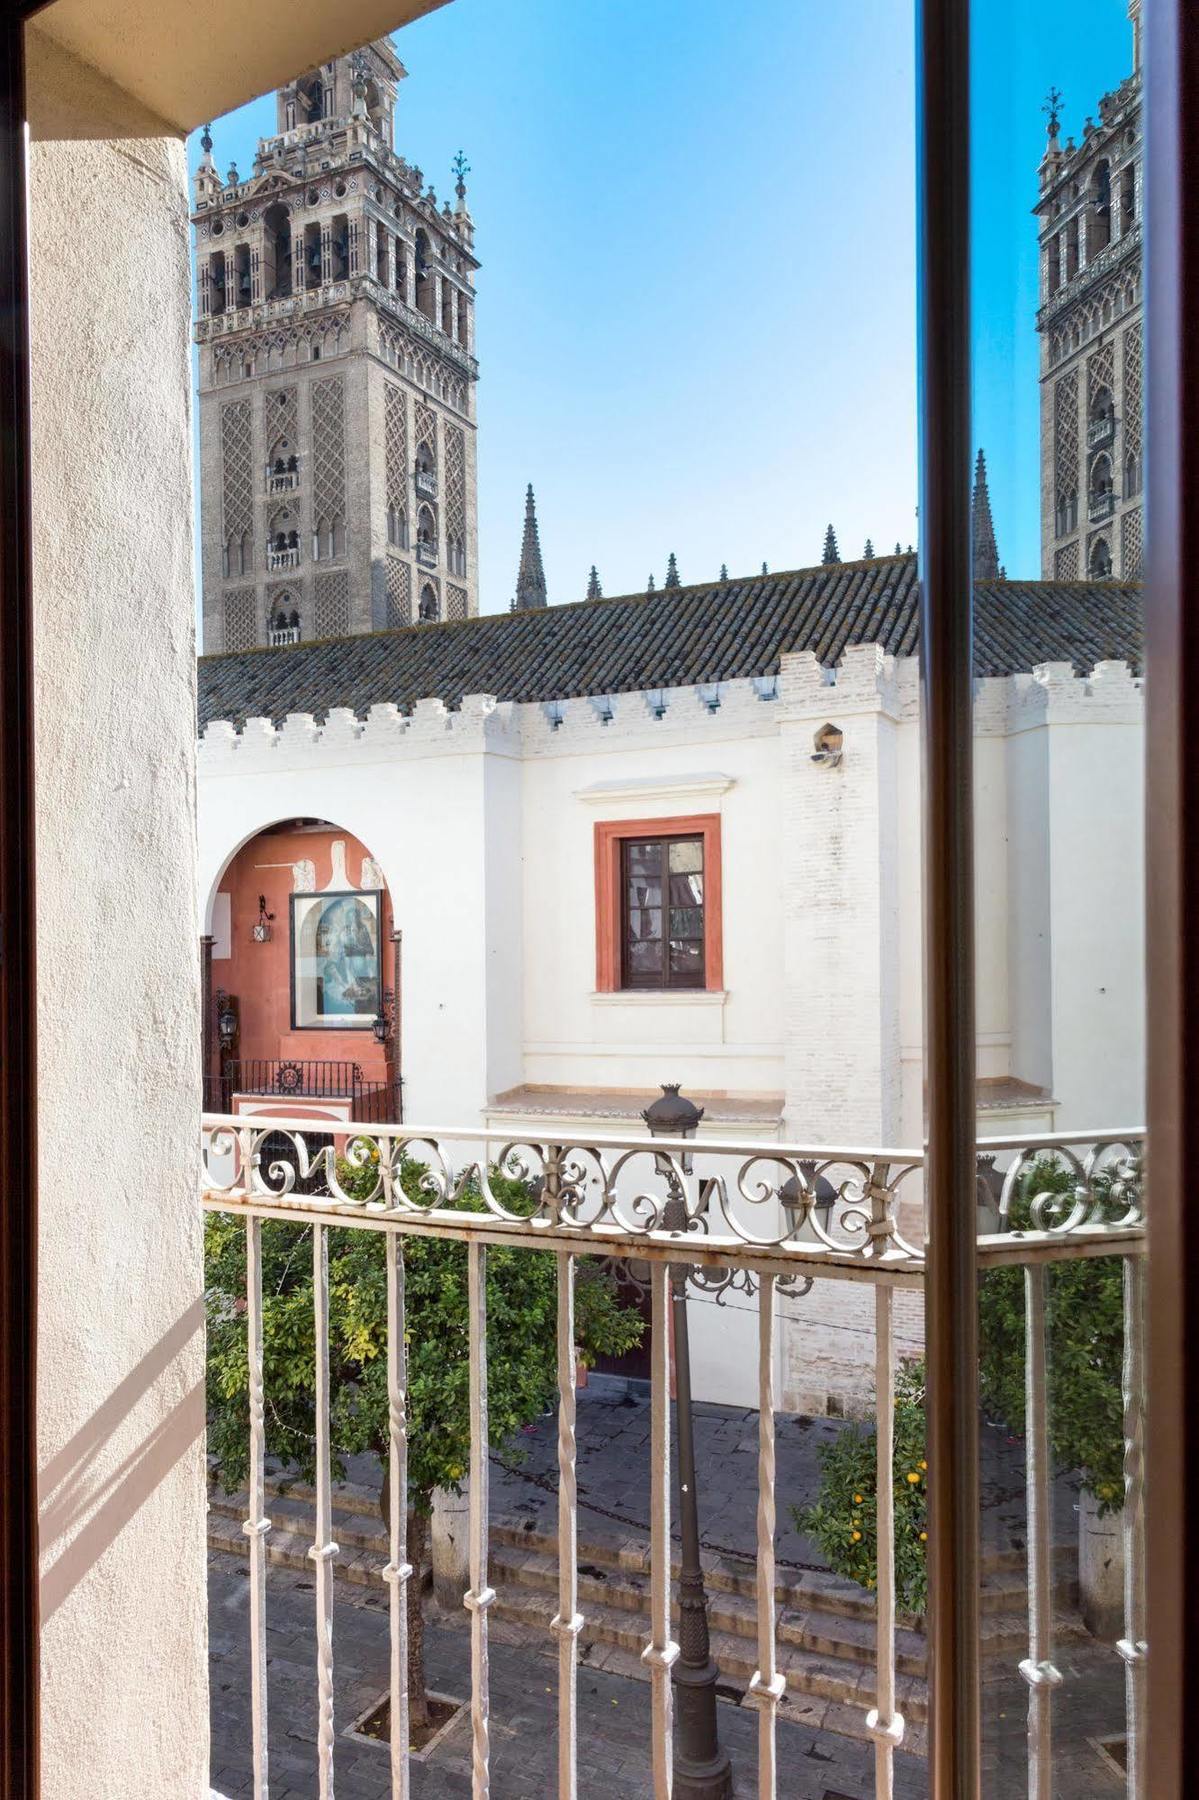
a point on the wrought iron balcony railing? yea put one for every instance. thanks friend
(1101, 431)
(758, 1216)
(286, 1079)
(1101, 505)
(426, 554)
(426, 483)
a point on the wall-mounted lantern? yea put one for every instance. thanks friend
(828, 745)
(384, 1018)
(226, 1016)
(260, 930)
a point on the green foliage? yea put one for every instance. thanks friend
(1085, 1307)
(521, 1339)
(843, 1520)
(1085, 1315)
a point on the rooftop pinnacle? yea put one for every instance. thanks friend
(985, 549)
(530, 577)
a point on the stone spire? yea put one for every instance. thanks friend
(986, 551)
(831, 552)
(530, 577)
(672, 571)
(594, 590)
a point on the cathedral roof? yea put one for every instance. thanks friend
(712, 631)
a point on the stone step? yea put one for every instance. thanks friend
(811, 1592)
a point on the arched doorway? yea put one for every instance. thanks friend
(302, 973)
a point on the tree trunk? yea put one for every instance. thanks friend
(418, 1543)
(418, 1693)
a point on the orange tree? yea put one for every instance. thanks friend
(521, 1352)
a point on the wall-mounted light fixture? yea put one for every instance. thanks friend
(384, 1018)
(828, 742)
(260, 930)
(226, 1017)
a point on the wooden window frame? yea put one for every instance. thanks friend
(610, 837)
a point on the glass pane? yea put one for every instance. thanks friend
(1058, 442)
(645, 922)
(686, 922)
(687, 958)
(644, 890)
(686, 890)
(686, 856)
(644, 957)
(643, 858)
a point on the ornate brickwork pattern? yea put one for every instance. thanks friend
(237, 468)
(328, 449)
(399, 593)
(331, 609)
(1131, 545)
(455, 602)
(1101, 372)
(1134, 397)
(455, 489)
(395, 445)
(426, 429)
(282, 421)
(1065, 563)
(1065, 438)
(240, 624)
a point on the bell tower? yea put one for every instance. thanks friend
(337, 374)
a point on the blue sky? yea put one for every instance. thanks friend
(696, 315)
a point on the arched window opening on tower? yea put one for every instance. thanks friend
(1101, 560)
(464, 321)
(1099, 210)
(337, 536)
(310, 98)
(282, 468)
(380, 236)
(1053, 264)
(424, 277)
(455, 555)
(397, 527)
(217, 299)
(276, 252)
(312, 256)
(241, 275)
(429, 609)
(1067, 511)
(426, 536)
(1133, 474)
(447, 309)
(426, 472)
(376, 111)
(1101, 425)
(1101, 496)
(285, 622)
(283, 541)
(1128, 196)
(1072, 248)
(401, 287)
(339, 248)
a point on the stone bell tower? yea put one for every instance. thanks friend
(1092, 345)
(337, 376)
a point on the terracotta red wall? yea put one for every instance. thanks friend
(260, 974)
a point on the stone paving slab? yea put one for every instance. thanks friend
(614, 1719)
(614, 1477)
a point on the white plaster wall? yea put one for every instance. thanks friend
(120, 1319)
(484, 821)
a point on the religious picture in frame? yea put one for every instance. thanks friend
(336, 966)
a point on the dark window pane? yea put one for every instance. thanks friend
(686, 962)
(686, 890)
(645, 957)
(686, 922)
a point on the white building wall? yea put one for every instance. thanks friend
(483, 820)
(122, 1503)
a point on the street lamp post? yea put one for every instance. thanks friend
(702, 1770)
